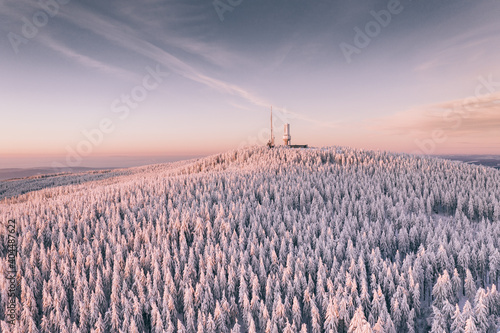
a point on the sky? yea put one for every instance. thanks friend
(94, 83)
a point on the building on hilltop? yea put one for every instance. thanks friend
(287, 138)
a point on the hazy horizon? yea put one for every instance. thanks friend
(123, 161)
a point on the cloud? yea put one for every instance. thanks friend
(473, 117)
(129, 39)
(155, 17)
(211, 53)
(122, 32)
(88, 61)
(471, 45)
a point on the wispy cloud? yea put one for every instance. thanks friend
(129, 39)
(213, 54)
(150, 17)
(163, 48)
(470, 45)
(88, 61)
(470, 117)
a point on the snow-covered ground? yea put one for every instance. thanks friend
(259, 240)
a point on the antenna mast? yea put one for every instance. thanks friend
(272, 136)
(271, 141)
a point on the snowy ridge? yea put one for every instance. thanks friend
(261, 240)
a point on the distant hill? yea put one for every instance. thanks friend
(260, 240)
(15, 173)
(492, 161)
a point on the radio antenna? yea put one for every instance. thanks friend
(271, 141)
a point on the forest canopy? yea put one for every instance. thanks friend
(261, 240)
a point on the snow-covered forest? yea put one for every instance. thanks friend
(261, 240)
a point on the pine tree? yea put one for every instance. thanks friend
(470, 327)
(288, 328)
(458, 322)
(411, 321)
(442, 290)
(210, 327)
(315, 318)
(133, 327)
(156, 319)
(251, 326)
(470, 286)
(494, 263)
(447, 311)
(379, 326)
(219, 318)
(481, 311)
(457, 284)
(389, 326)
(396, 314)
(438, 321)
(358, 322)
(296, 312)
(236, 328)
(331, 317)
(467, 311)
(99, 326)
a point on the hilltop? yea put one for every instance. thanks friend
(260, 240)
